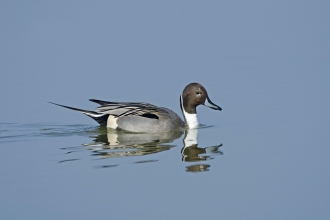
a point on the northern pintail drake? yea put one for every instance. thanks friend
(147, 118)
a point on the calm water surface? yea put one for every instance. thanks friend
(119, 146)
(81, 171)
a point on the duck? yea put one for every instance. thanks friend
(141, 117)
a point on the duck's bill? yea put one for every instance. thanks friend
(211, 105)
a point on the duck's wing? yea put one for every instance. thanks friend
(120, 109)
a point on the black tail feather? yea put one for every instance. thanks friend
(100, 102)
(100, 118)
(75, 109)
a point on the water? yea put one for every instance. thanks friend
(119, 146)
(94, 164)
(265, 156)
(237, 170)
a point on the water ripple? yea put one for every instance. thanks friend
(109, 144)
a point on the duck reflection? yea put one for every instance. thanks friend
(192, 153)
(110, 143)
(114, 143)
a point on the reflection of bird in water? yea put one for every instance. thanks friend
(110, 143)
(114, 143)
(192, 153)
(198, 168)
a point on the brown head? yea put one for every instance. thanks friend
(193, 95)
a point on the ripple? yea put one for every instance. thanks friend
(106, 143)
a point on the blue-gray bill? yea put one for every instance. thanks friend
(211, 105)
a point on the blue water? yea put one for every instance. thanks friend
(265, 156)
(238, 170)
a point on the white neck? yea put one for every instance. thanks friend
(191, 119)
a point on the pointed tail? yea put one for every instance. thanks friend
(99, 117)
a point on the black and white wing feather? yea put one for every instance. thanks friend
(120, 109)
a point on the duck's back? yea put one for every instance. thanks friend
(160, 121)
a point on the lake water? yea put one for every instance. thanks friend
(265, 156)
(273, 168)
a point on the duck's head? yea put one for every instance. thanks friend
(193, 95)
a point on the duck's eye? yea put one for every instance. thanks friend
(198, 93)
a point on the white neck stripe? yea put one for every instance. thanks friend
(191, 119)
